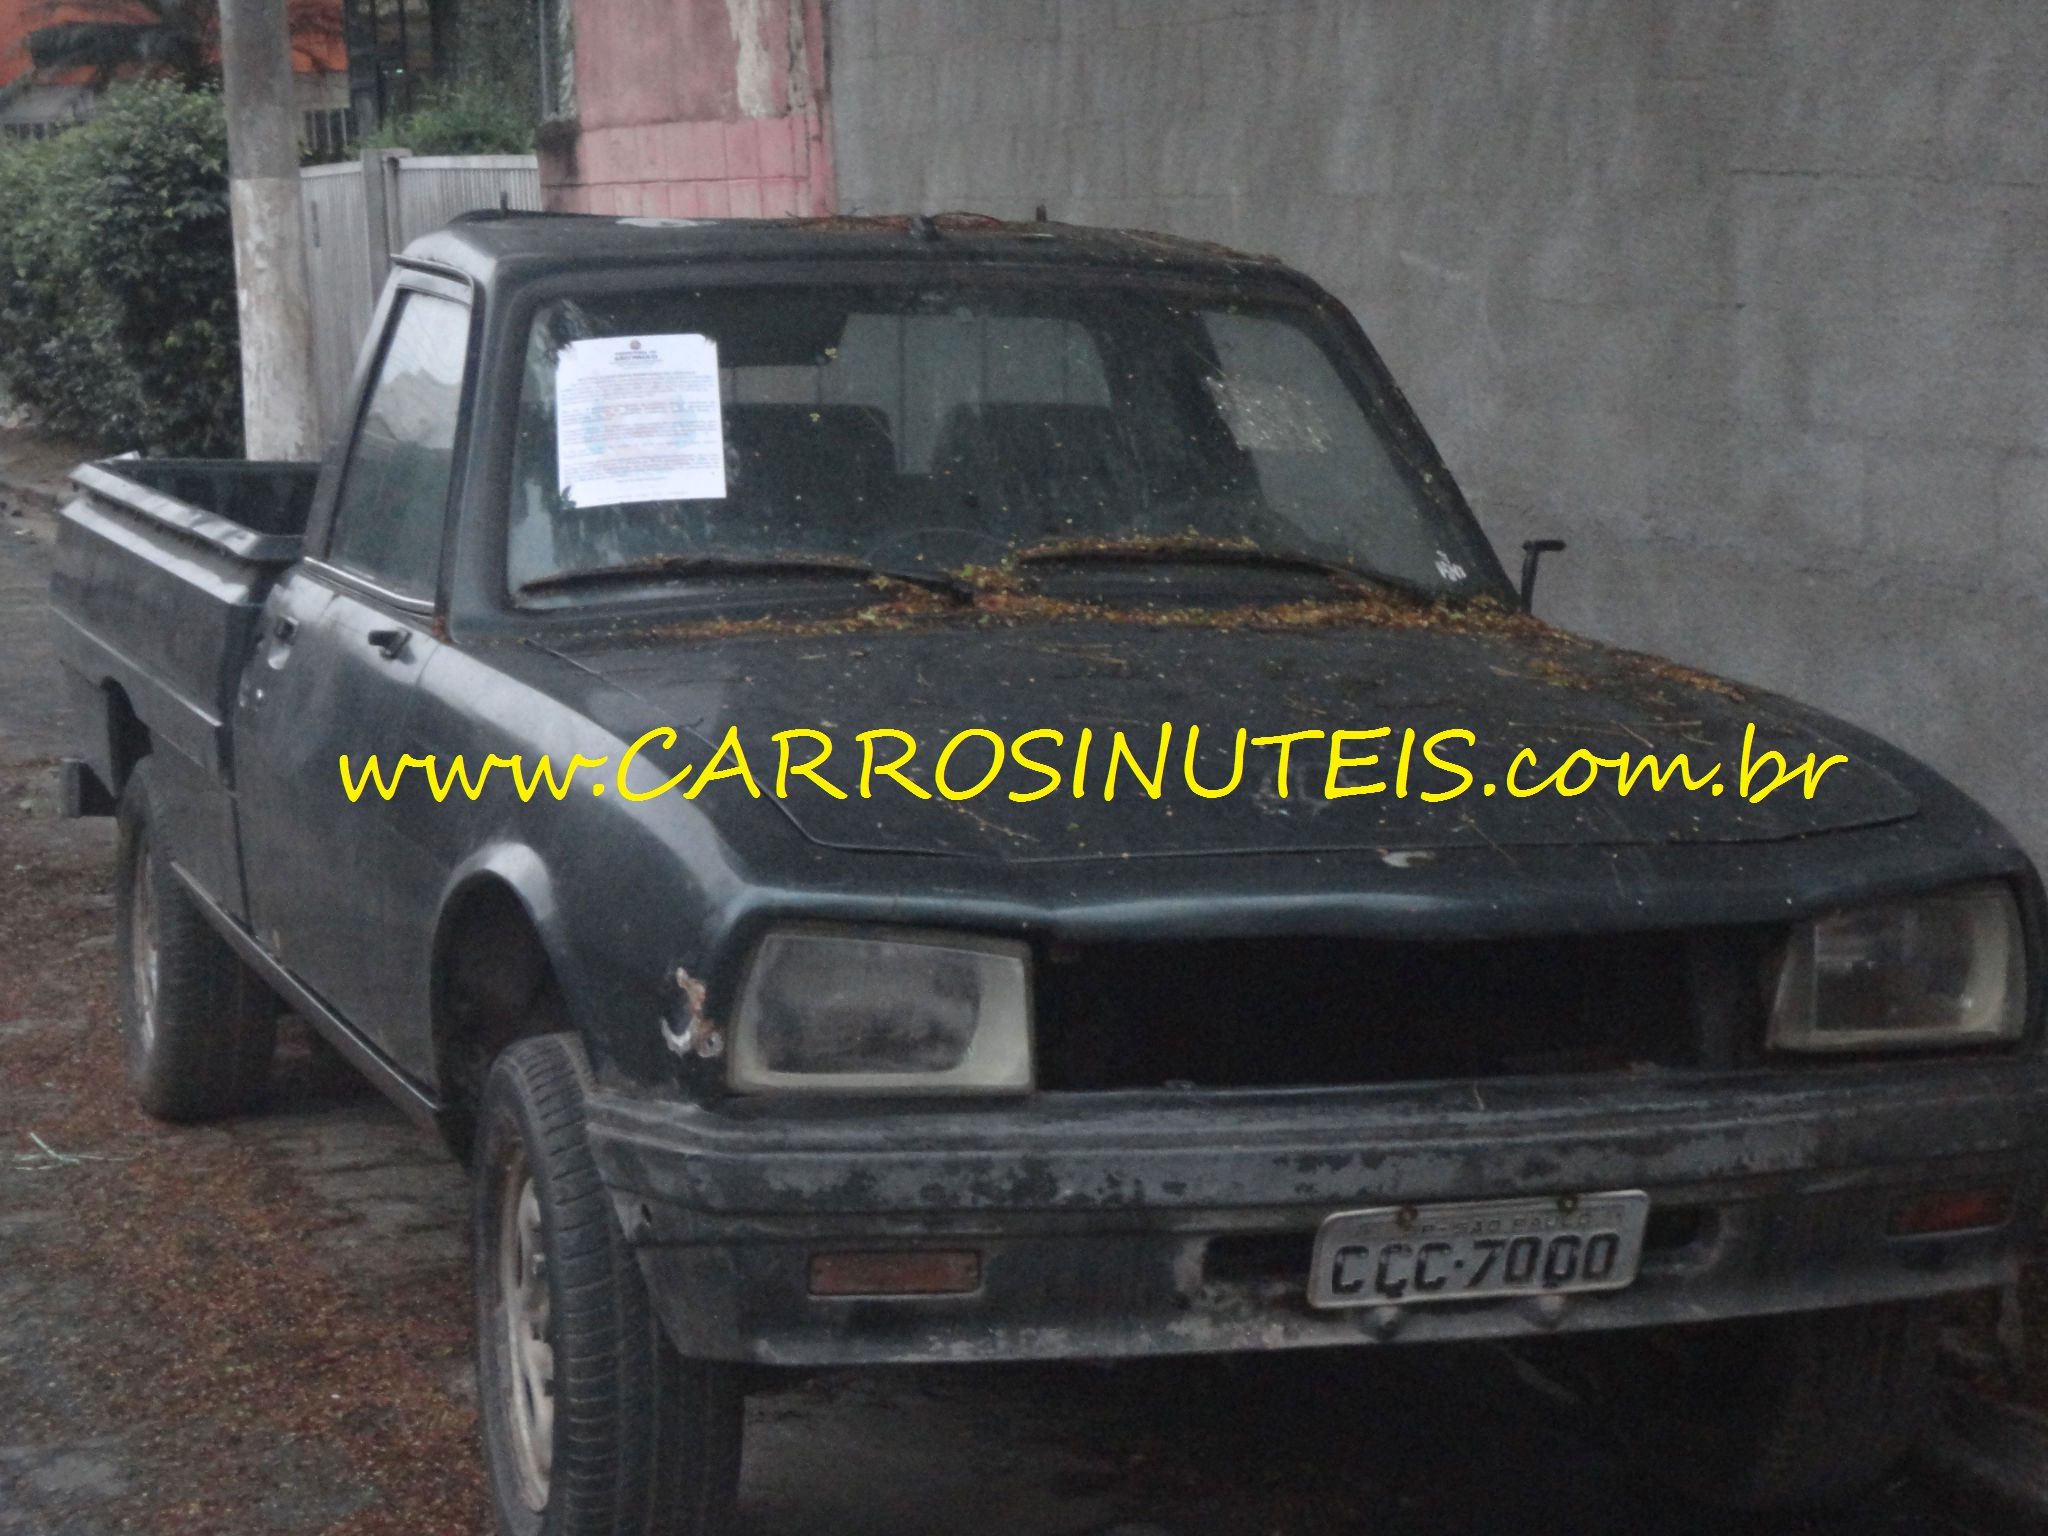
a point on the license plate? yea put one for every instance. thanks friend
(1397, 1255)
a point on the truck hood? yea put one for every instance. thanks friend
(1511, 682)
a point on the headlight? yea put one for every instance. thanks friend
(1948, 969)
(864, 1013)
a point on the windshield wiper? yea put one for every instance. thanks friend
(660, 566)
(1173, 551)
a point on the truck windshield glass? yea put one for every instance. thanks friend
(938, 427)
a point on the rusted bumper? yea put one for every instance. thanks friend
(1133, 1224)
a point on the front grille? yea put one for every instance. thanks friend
(1324, 1012)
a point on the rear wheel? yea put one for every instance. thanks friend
(1804, 1410)
(591, 1421)
(200, 1027)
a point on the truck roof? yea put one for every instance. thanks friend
(491, 245)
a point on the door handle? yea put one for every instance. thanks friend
(390, 642)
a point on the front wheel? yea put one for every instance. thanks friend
(1800, 1411)
(591, 1421)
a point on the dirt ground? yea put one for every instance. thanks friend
(263, 1326)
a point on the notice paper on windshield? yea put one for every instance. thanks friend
(637, 419)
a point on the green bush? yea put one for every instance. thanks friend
(117, 276)
(469, 120)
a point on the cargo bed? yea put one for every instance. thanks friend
(162, 567)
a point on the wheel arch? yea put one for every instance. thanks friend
(499, 969)
(128, 740)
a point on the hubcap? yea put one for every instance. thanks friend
(142, 957)
(529, 1373)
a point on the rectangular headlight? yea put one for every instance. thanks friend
(1946, 969)
(883, 1012)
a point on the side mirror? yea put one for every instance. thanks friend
(1533, 551)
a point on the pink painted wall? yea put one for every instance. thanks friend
(695, 109)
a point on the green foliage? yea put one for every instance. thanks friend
(468, 120)
(497, 47)
(117, 277)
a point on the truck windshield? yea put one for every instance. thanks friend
(938, 427)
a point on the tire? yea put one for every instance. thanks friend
(1795, 1412)
(633, 1439)
(199, 1026)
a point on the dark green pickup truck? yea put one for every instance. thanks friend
(1378, 1006)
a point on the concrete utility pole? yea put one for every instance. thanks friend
(280, 414)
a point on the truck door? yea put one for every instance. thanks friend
(346, 635)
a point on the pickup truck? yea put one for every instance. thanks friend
(929, 789)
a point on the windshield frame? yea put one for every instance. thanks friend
(1357, 363)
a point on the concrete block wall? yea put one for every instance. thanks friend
(1748, 299)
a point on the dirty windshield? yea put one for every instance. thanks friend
(928, 428)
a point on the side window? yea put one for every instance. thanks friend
(394, 487)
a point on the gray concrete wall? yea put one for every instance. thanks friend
(1748, 299)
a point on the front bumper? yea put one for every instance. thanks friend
(1135, 1224)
